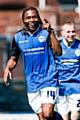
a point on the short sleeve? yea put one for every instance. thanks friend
(15, 51)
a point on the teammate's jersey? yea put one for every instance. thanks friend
(68, 65)
(40, 68)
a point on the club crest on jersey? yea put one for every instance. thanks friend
(64, 52)
(77, 52)
(41, 39)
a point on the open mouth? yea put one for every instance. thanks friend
(32, 25)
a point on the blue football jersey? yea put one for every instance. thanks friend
(68, 65)
(39, 65)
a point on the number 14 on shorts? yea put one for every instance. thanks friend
(51, 94)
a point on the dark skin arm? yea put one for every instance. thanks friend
(12, 62)
(55, 45)
(9, 67)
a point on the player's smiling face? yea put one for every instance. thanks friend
(68, 32)
(31, 20)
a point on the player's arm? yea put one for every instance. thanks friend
(55, 45)
(7, 71)
(54, 42)
(12, 62)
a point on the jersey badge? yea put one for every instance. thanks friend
(63, 52)
(77, 52)
(41, 39)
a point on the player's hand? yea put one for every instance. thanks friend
(46, 24)
(6, 76)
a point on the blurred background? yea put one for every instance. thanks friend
(13, 98)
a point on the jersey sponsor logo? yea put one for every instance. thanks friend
(77, 52)
(41, 39)
(35, 49)
(23, 41)
(32, 51)
(70, 61)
